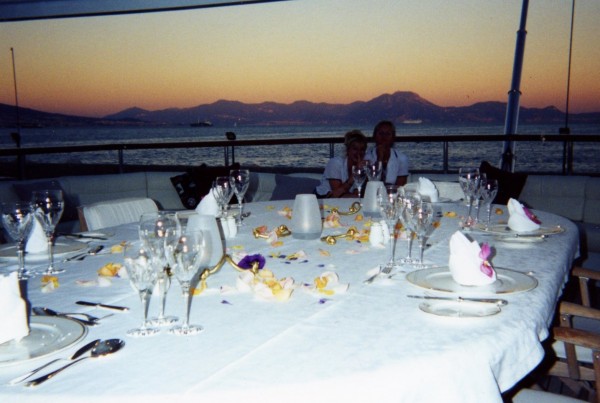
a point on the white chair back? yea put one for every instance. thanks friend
(114, 212)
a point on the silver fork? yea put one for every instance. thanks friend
(387, 269)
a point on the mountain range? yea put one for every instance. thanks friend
(400, 107)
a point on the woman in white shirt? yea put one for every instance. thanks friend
(337, 178)
(395, 164)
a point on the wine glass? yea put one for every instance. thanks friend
(374, 170)
(469, 182)
(48, 207)
(411, 200)
(153, 229)
(488, 190)
(17, 219)
(142, 275)
(186, 255)
(390, 207)
(421, 222)
(223, 192)
(359, 173)
(240, 180)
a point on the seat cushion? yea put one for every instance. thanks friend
(510, 184)
(115, 212)
(287, 187)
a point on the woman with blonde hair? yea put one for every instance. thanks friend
(337, 180)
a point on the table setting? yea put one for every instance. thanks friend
(280, 307)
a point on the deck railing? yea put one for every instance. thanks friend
(229, 147)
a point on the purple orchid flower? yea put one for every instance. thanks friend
(531, 216)
(485, 252)
(248, 260)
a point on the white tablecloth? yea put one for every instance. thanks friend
(371, 344)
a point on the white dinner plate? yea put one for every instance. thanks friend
(502, 229)
(47, 335)
(62, 248)
(459, 309)
(440, 279)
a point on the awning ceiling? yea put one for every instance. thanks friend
(24, 10)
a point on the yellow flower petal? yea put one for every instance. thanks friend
(450, 214)
(324, 252)
(499, 211)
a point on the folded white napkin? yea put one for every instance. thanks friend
(13, 314)
(37, 241)
(427, 189)
(521, 220)
(468, 261)
(208, 205)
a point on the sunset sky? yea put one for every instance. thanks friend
(452, 53)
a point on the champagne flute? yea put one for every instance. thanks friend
(421, 222)
(411, 202)
(469, 182)
(48, 208)
(359, 173)
(390, 207)
(222, 191)
(186, 255)
(142, 275)
(240, 180)
(489, 190)
(154, 227)
(17, 219)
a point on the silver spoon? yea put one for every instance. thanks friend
(90, 252)
(76, 355)
(102, 348)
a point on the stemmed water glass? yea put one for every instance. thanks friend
(48, 207)
(421, 222)
(359, 173)
(390, 207)
(223, 192)
(469, 182)
(240, 180)
(142, 273)
(411, 200)
(186, 255)
(154, 227)
(17, 219)
(488, 190)
(374, 170)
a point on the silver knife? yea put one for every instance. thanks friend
(497, 301)
(105, 306)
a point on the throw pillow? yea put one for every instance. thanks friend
(193, 185)
(25, 189)
(287, 187)
(510, 184)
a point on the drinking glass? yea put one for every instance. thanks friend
(488, 190)
(411, 200)
(153, 229)
(186, 255)
(469, 182)
(17, 219)
(142, 275)
(374, 170)
(240, 180)
(390, 207)
(48, 207)
(223, 192)
(421, 223)
(359, 173)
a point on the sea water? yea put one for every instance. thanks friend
(530, 156)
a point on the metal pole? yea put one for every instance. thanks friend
(17, 135)
(512, 108)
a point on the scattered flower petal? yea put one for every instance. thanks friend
(450, 214)
(110, 269)
(324, 252)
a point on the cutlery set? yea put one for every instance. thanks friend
(496, 301)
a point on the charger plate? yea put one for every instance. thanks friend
(62, 248)
(440, 279)
(47, 335)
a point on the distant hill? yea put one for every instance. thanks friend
(400, 107)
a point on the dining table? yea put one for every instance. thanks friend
(331, 337)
